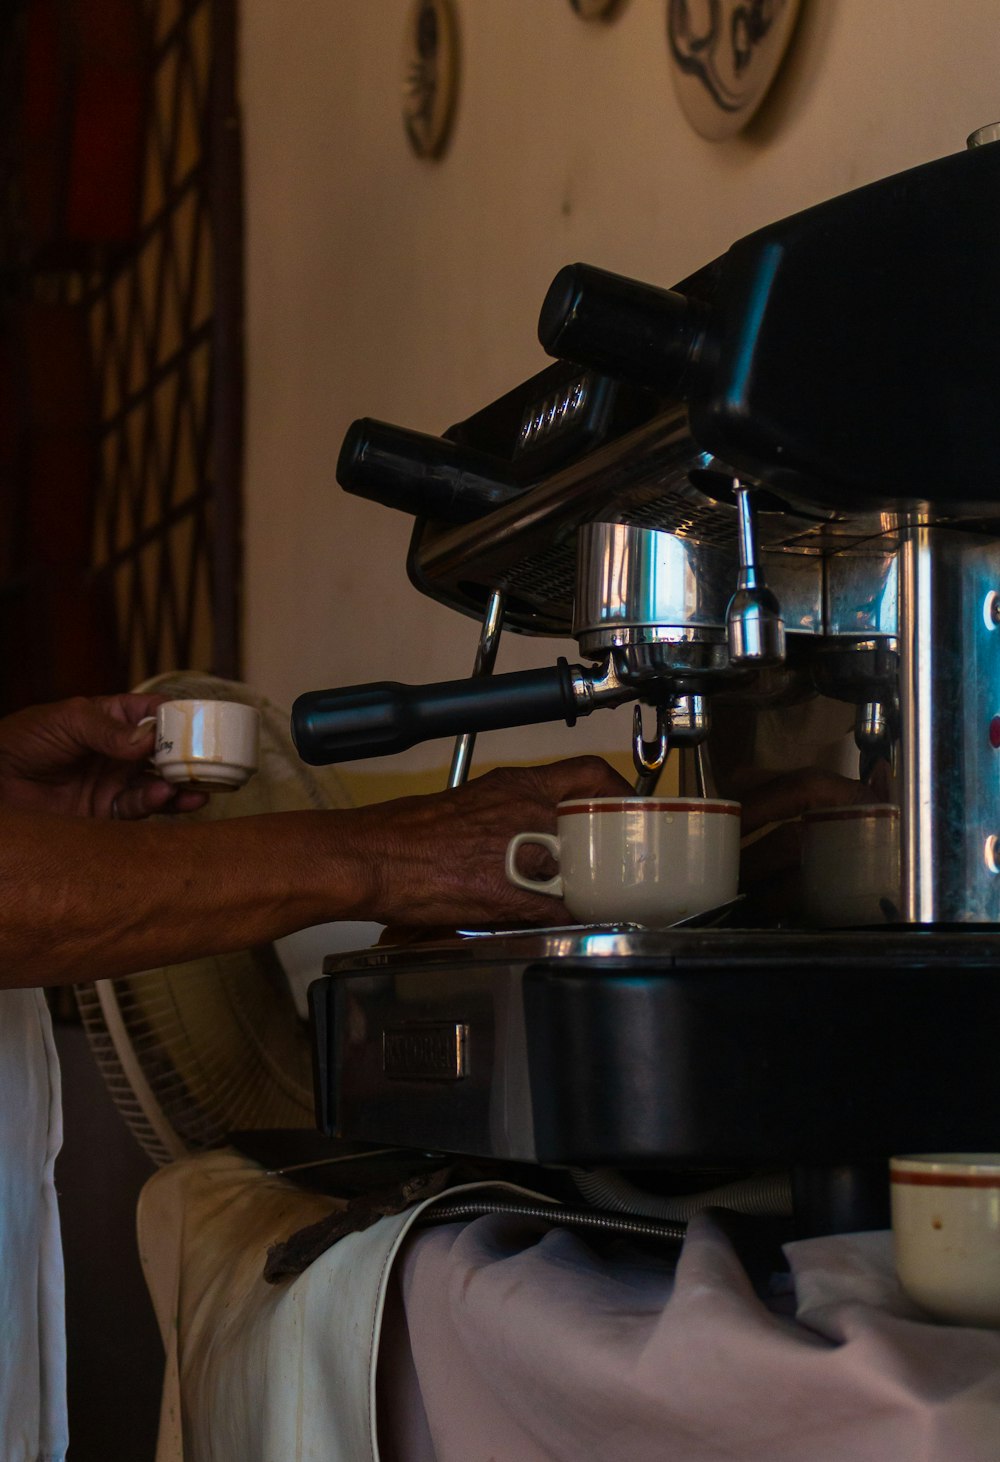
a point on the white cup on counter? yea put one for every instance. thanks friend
(637, 860)
(208, 746)
(946, 1233)
(850, 866)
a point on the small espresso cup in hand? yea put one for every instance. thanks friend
(946, 1233)
(209, 746)
(850, 866)
(638, 860)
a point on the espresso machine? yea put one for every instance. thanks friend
(778, 480)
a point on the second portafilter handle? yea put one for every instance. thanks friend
(754, 626)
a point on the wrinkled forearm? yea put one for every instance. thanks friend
(82, 899)
(85, 898)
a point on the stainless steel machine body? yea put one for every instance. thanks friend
(893, 612)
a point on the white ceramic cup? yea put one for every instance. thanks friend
(638, 860)
(946, 1233)
(211, 746)
(850, 865)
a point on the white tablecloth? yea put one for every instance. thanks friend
(501, 1340)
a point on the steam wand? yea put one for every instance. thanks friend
(754, 626)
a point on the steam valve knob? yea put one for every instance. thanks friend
(654, 338)
(755, 628)
(429, 476)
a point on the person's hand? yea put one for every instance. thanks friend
(87, 757)
(438, 861)
(769, 866)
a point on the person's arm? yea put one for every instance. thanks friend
(85, 899)
(88, 893)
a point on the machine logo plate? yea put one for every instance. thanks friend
(431, 1051)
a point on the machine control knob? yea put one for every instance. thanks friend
(654, 338)
(429, 476)
(755, 628)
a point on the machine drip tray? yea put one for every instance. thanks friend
(682, 1050)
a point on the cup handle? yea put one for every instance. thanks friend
(141, 725)
(552, 886)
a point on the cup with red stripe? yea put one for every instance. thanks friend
(946, 1233)
(637, 860)
(850, 866)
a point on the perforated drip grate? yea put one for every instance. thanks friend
(686, 515)
(547, 579)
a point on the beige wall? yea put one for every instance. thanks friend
(382, 285)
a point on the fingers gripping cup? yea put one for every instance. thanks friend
(637, 860)
(209, 746)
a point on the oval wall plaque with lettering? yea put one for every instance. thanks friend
(430, 75)
(725, 54)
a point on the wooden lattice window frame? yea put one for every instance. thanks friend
(160, 299)
(166, 331)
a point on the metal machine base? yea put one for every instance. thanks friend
(686, 1051)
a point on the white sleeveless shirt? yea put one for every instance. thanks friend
(33, 1425)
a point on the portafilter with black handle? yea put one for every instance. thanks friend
(651, 612)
